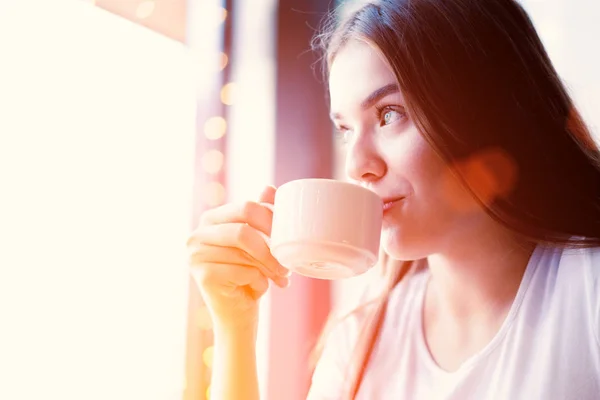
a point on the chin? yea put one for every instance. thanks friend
(399, 246)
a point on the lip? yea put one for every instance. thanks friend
(390, 202)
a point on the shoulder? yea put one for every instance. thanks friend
(575, 264)
(573, 269)
(578, 275)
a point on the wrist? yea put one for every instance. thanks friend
(231, 334)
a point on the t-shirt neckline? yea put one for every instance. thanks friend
(423, 350)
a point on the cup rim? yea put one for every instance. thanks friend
(329, 180)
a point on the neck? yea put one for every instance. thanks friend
(478, 274)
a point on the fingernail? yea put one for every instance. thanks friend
(281, 270)
(283, 282)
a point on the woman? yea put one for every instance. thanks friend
(454, 114)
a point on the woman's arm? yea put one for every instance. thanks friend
(234, 374)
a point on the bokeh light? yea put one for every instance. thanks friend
(228, 93)
(490, 174)
(212, 161)
(218, 15)
(215, 128)
(224, 61)
(207, 356)
(214, 194)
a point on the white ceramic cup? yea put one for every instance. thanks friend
(325, 228)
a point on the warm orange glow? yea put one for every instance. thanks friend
(228, 93)
(208, 393)
(490, 174)
(145, 9)
(215, 128)
(212, 161)
(214, 194)
(223, 14)
(207, 356)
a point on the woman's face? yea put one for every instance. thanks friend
(426, 206)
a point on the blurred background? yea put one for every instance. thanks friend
(121, 121)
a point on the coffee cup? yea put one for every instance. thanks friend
(325, 228)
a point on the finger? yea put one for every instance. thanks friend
(259, 286)
(203, 254)
(245, 238)
(217, 275)
(257, 216)
(268, 195)
(214, 274)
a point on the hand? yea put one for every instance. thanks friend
(231, 262)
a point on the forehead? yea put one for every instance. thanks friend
(356, 71)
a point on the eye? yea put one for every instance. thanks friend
(390, 114)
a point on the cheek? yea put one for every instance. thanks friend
(436, 191)
(437, 199)
(424, 170)
(409, 156)
(456, 197)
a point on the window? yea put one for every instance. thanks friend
(96, 171)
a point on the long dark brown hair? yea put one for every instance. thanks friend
(475, 76)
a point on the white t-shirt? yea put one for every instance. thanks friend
(548, 348)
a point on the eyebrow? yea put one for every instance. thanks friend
(373, 97)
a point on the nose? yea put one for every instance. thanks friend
(364, 164)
